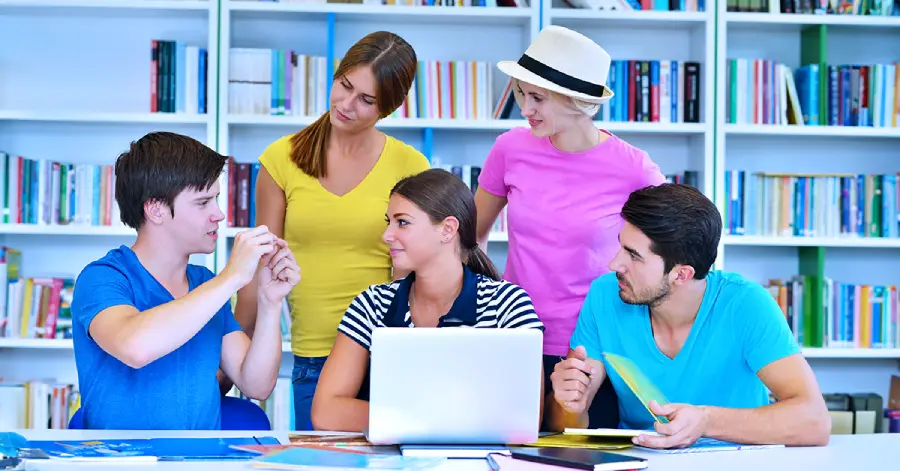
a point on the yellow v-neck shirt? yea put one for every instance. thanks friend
(336, 239)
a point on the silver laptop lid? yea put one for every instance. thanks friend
(457, 385)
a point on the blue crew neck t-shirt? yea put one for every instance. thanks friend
(178, 391)
(738, 330)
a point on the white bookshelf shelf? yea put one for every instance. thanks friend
(104, 117)
(64, 344)
(387, 123)
(65, 230)
(230, 232)
(850, 353)
(825, 353)
(468, 124)
(43, 344)
(577, 17)
(848, 242)
(387, 13)
(863, 21)
(111, 4)
(812, 131)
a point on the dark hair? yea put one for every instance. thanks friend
(393, 63)
(441, 194)
(158, 167)
(682, 224)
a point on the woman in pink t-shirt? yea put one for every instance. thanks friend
(564, 182)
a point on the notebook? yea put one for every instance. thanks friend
(323, 460)
(610, 432)
(452, 451)
(561, 440)
(706, 444)
(591, 460)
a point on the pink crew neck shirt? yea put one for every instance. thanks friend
(563, 216)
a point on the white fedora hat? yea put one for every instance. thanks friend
(566, 62)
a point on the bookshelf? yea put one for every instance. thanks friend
(820, 245)
(75, 91)
(98, 110)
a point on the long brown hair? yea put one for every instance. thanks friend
(440, 194)
(393, 63)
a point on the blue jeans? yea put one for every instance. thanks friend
(304, 378)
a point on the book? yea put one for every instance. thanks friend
(706, 444)
(610, 432)
(591, 460)
(303, 458)
(452, 451)
(561, 440)
(146, 449)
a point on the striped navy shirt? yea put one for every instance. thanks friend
(482, 303)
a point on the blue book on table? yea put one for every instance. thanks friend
(145, 449)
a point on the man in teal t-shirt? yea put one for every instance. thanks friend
(713, 343)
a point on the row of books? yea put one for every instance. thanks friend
(277, 82)
(178, 77)
(241, 202)
(658, 91)
(688, 177)
(37, 404)
(772, 204)
(48, 404)
(450, 90)
(647, 5)
(818, 7)
(765, 92)
(41, 191)
(285, 82)
(850, 315)
(32, 307)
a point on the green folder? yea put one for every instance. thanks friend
(639, 384)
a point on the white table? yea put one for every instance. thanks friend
(844, 453)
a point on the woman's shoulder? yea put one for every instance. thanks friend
(278, 152)
(519, 136)
(624, 149)
(403, 156)
(383, 290)
(490, 289)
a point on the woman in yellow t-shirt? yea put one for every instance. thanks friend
(325, 191)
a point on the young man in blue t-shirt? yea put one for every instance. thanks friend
(151, 330)
(713, 343)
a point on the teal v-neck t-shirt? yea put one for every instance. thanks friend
(739, 329)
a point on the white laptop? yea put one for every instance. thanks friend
(455, 386)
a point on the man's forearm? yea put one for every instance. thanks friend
(558, 419)
(154, 333)
(789, 422)
(259, 370)
(245, 310)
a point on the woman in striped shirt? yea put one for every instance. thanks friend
(431, 234)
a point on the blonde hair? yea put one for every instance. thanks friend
(576, 105)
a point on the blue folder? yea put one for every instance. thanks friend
(164, 449)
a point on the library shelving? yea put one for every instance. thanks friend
(75, 90)
(93, 98)
(805, 163)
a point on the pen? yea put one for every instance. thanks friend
(492, 463)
